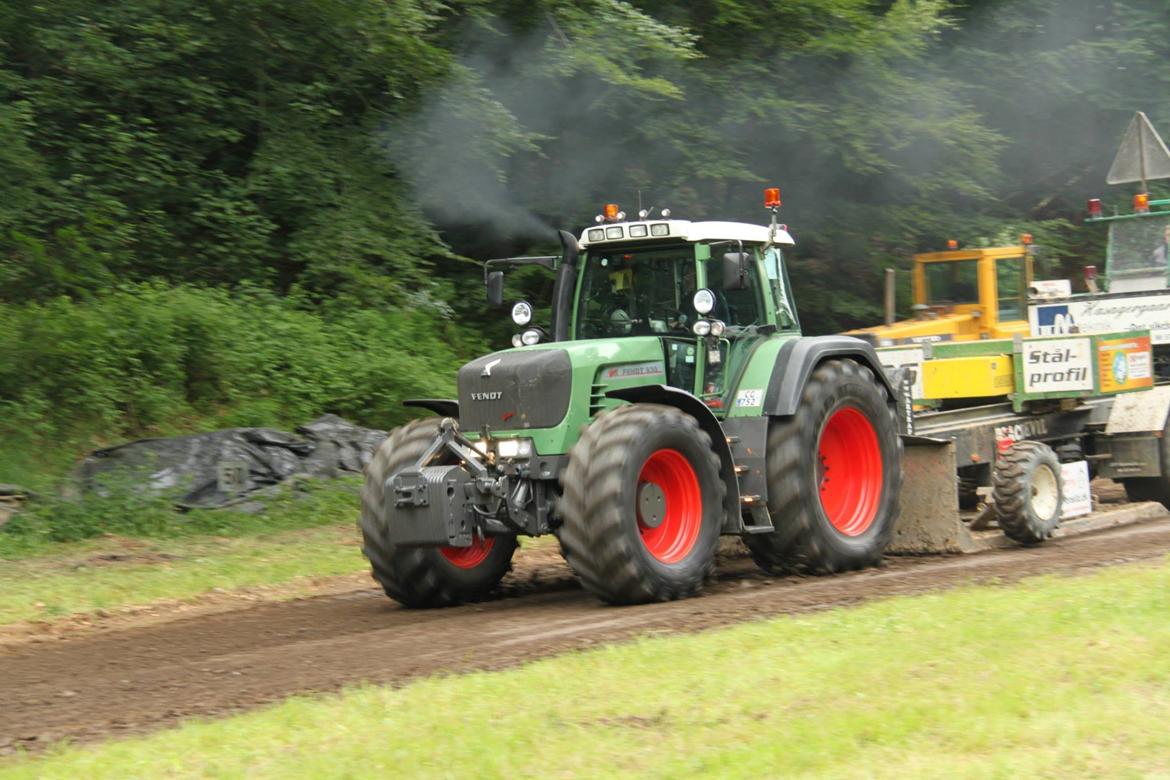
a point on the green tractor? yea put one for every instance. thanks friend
(671, 400)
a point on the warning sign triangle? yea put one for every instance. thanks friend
(1142, 156)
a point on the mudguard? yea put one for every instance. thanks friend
(681, 399)
(797, 360)
(440, 406)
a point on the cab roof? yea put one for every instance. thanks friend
(680, 229)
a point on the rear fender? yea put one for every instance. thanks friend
(797, 360)
(686, 402)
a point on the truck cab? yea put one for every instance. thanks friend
(963, 295)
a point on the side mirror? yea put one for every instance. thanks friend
(735, 270)
(495, 288)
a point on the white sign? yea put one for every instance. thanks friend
(1051, 288)
(1057, 365)
(1078, 500)
(894, 358)
(1104, 315)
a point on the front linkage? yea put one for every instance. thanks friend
(448, 505)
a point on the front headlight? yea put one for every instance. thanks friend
(530, 337)
(514, 448)
(702, 327)
(717, 327)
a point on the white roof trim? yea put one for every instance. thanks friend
(694, 232)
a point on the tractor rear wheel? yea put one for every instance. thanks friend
(424, 576)
(834, 470)
(1027, 492)
(642, 505)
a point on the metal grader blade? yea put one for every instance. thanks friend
(929, 521)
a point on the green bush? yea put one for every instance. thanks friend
(155, 359)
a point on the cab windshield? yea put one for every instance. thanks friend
(1137, 245)
(637, 292)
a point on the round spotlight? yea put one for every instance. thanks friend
(530, 337)
(665, 213)
(522, 313)
(516, 342)
(717, 327)
(702, 327)
(704, 301)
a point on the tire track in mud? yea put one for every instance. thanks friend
(132, 679)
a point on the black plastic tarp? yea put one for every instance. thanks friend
(224, 467)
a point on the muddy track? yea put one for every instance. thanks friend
(140, 678)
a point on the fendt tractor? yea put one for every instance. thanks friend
(671, 400)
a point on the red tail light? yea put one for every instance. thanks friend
(1141, 202)
(1094, 207)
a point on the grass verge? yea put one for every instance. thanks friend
(1051, 677)
(148, 552)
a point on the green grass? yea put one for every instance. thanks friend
(127, 551)
(89, 578)
(1053, 677)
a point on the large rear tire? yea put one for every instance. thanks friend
(834, 470)
(642, 505)
(424, 576)
(1027, 492)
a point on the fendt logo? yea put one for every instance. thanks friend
(487, 370)
(492, 396)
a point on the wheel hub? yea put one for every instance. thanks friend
(670, 506)
(651, 504)
(848, 471)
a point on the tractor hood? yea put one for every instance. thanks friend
(515, 389)
(546, 390)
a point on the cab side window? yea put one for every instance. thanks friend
(737, 308)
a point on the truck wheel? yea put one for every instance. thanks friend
(424, 576)
(642, 505)
(1026, 491)
(834, 470)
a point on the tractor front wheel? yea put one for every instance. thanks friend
(642, 505)
(424, 576)
(834, 470)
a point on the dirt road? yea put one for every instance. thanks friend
(140, 678)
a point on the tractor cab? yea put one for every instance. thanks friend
(1138, 257)
(707, 291)
(675, 302)
(964, 294)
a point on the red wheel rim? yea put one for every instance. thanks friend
(675, 536)
(849, 471)
(469, 557)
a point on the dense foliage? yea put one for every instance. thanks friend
(218, 211)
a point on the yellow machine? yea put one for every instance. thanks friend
(962, 295)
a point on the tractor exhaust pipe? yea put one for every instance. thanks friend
(889, 297)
